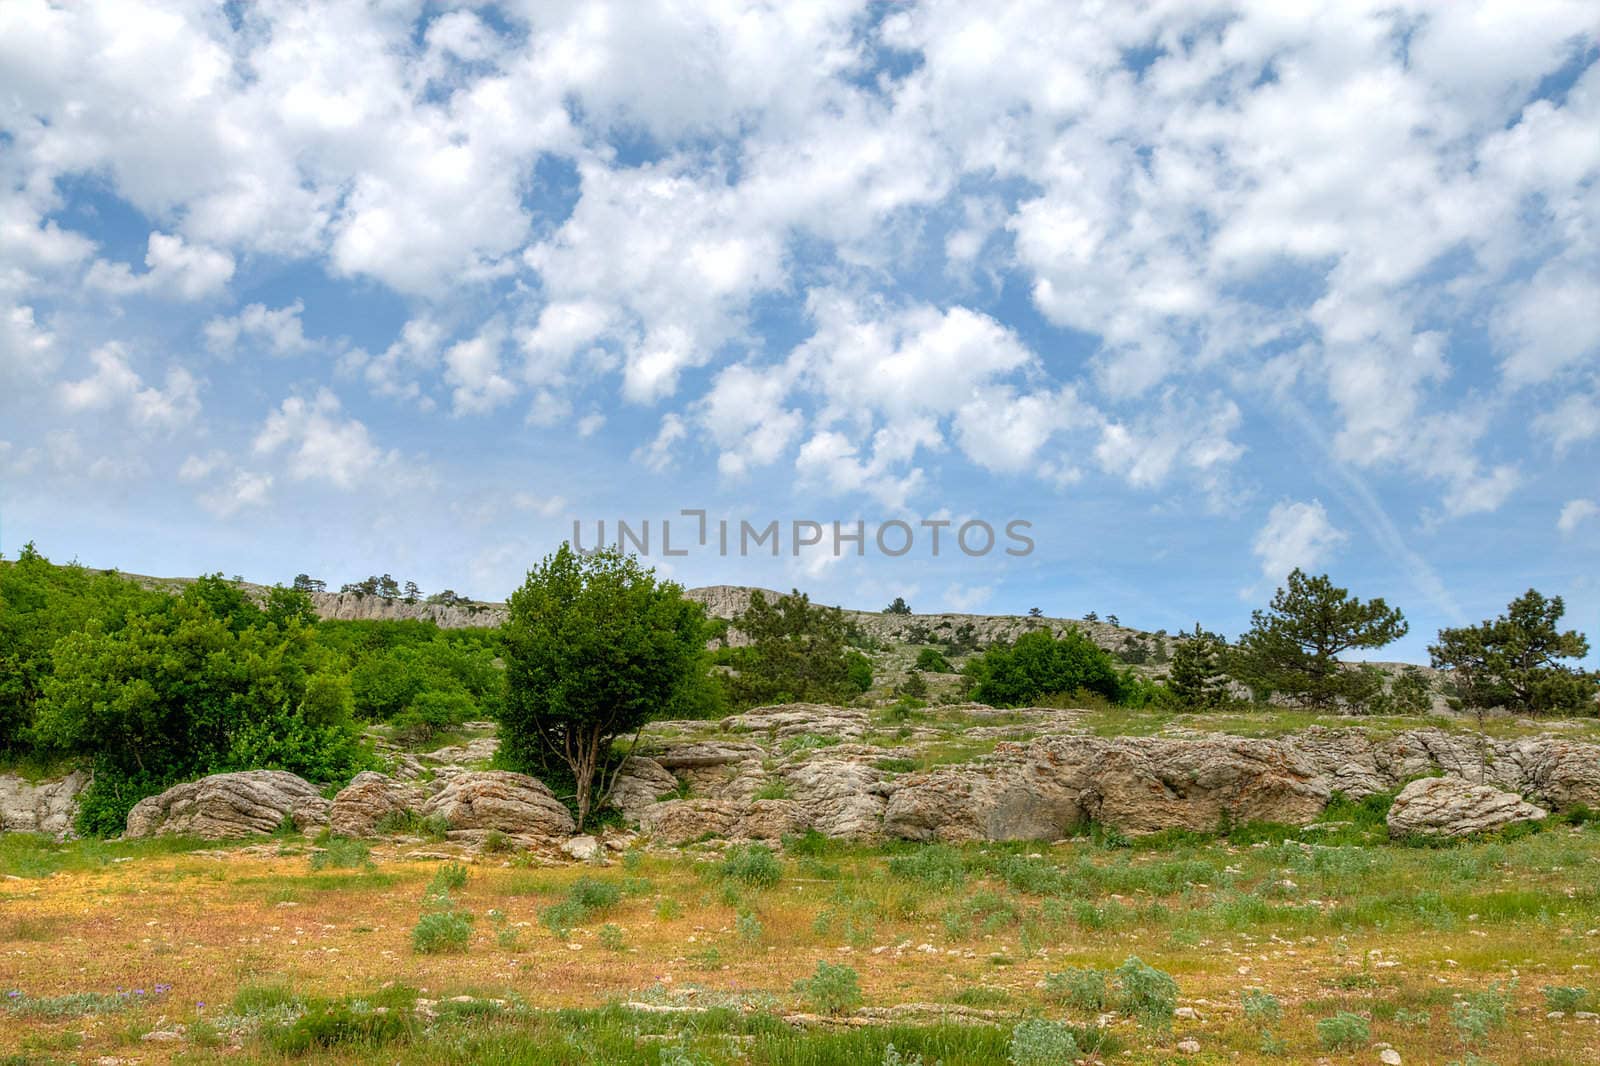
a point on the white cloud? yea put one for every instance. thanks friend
(27, 350)
(661, 453)
(115, 384)
(1296, 535)
(1574, 514)
(175, 268)
(398, 371)
(242, 491)
(279, 332)
(473, 367)
(1191, 436)
(320, 443)
(1575, 419)
(966, 598)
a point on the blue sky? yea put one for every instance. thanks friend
(1201, 291)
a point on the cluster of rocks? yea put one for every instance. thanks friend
(794, 768)
(46, 807)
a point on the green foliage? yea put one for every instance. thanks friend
(899, 606)
(1409, 693)
(936, 866)
(1293, 646)
(588, 897)
(1082, 989)
(1145, 993)
(1343, 1031)
(1261, 1008)
(1198, 675)
(595, 647)
(1514, 661)
(1565, 998)
(176, 692)
(451, 877)
(832, 989)
(1040, 1042)
(1039, 664)
(930, 660)
(797, 651)
(342, 853)
(441, 932)
(751, 864)
(1477, 1014)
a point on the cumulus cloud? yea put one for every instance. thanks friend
(1574, 513)
(319, 442)
(175, 269)
(1296, 534)
(114, 384)
(278, 332)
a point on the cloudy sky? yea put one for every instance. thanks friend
(1203, 291)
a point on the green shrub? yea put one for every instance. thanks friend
(342, 853)
(449, 878)
(1565, 998)
(832, 989)
(1083, 989)
(352, 1024)
(1038, 1042)
(441, 932)
(930, 660)
(1039, 664)
(1474, 1016)
(1261, 1008)
(611, 938)
(1146, 993)
(936, 866)
(752, 864)
(748, 926)
(1343, 1031)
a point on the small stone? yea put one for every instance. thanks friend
(1389, 1057)
(1189, 1047)
(583, 848)
(1187, 1014)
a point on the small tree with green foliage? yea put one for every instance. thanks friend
(1514, 661)
(595, 647)
(1293, 646)
(797, 651)
(899, 606)
(1198, 675)
(1039, 664)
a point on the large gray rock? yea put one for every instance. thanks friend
(230, 805)
(1043, 790)
(47, 807)
(368, 799)
(789, 720)
(685, 821)
(478, 801)
(641, 782)
(839, 794)
(1451, 807)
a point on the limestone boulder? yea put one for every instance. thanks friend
(48, 807)
(773, 819)
(368, 799)
(225, 806)
(677, 822)
(1451, 807)
(641, 782)
(475, 802)
(789, 720)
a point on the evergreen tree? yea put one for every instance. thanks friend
(1198, 676)
(1513, 661)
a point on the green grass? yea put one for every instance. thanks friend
(31, 855)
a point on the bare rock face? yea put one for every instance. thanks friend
(839, 795)
(1043, 790)
(49, 807)
(684, 821)
(362, 804)
(230, 805)
(790, 720)
(773, 819)
(641, 782)
(478, 801)
(1451, 807)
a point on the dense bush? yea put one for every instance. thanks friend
(797, 651)
(1038, 664)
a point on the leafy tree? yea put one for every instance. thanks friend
(413, 593)
(178, 692)
(929, 659)
(288, 607)
(388, 587)
(796, 651)
(1091, 617)
(1111, 620)
(1034, 612)
(1039, 664)
(899, 606)
(226, 601)
(40, 603)
(1292, 647)
(447, 598)
(307, 583)
(1514, 661)
(1198, 675)
(595, 647)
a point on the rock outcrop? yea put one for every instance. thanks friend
(676, 822)
(1451, 807)
(368, 799)
(47, 807)
(1043, 790)
(230, 805)
(476, 802)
